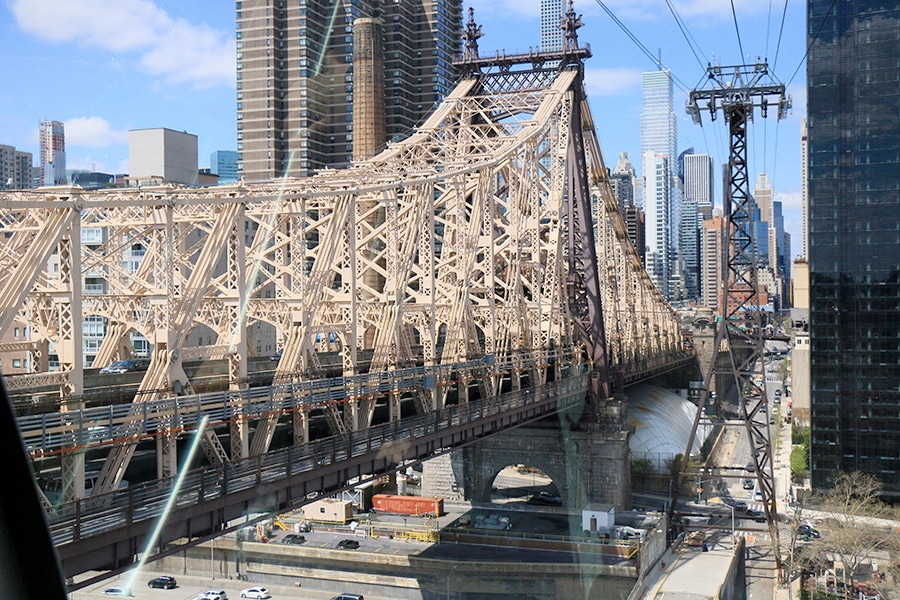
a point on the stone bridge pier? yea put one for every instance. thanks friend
(587, 465)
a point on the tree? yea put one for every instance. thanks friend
(798, 462)
(853, 508)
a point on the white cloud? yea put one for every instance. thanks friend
(168, 47)
(789, 200)
(93, 132)
(605, 82)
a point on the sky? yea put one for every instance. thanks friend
(103, 67)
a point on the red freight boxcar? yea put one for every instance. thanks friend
(408, 505)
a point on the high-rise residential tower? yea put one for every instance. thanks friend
(659, 135)
(53, 153)
(15, 168)
(854, 250)
(295, 79)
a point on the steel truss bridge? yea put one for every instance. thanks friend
(481, 264)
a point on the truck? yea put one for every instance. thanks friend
(408, 505)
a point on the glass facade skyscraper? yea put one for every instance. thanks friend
(854, 238)
(294, 71)
(659, 135)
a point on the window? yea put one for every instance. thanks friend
(17, 363)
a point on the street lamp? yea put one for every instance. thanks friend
(730, 507)
(449, 575)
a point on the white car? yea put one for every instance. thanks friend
(255, 592)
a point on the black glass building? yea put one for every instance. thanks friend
(854, 237)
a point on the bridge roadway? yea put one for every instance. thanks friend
(107, 532)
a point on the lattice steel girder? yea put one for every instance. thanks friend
(454, 240)
(740, 327)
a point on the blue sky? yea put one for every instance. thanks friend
(106, 66)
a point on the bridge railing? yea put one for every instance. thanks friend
(51, 433)
(94, 515)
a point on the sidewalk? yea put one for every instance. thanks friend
(690, 573)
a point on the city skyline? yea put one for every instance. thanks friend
(177, 71)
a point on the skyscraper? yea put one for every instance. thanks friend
(696, 177)
(659, 135)
(656, 210)
(224, 164)
(53, 153)
(551, 33)
(295, 80)
(854, 250)
(804, 191)
(711, 249)
(623, 182)
(699, 184)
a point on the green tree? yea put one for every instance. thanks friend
(799, 462)
(853, 532)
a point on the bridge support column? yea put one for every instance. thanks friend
(591, 464)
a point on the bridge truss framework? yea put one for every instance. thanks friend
(457, 241)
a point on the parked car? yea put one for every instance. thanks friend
(805, 529)
(166, 582)
(349, 597)
(740, 505)
(119, 590)
(125, 366)
(751, 466)
(277, 355)
(546, 499)
(348, 544)
(256, 592)
(293, 538)
(757, 496)
(303, 527)
(748, 484)
(215, 595)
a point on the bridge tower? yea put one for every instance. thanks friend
(737, 90)
(588, 450)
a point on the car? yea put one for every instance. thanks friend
(748, 484)
(348, 544)
(166, 582)
(751, 466)
(756, 515)
(206, 596)
(740, 505)
(214, 595)
(119, 590)
(293, 538)
(277, 355)
(256, 593)
(125, 366)
(349, 597)
(757, 496)
(303, 527)
(546, 498)
(805, 529)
